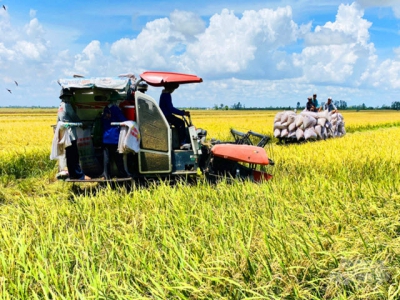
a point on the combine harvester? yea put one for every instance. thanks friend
(158, 154)
(290, 127)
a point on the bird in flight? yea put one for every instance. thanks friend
(4, 7)
(9, 91)
(16, 83)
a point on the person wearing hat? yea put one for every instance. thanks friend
(170, 111)
(310, 105)
(142, 87)
(112, 113)
(330, 106)
(315, 102)
(66, 113)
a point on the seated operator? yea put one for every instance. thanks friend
(170, 111)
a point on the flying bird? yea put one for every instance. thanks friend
(4, 7)
(9, 90)
(16, 83)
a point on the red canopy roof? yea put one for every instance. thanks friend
(161, 78)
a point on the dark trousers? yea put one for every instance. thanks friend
(116, 157)
(180, 125)
(72, 157)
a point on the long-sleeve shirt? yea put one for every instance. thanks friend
(330, 106)
(166, 105)
(66, 113)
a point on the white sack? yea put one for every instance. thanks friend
(292, 134)
(292, 127)
(291, 118)
(318, 131)
(321, 121)
(324, 114)
(284, 117)
(309, 134)
(277, 133)
(298, 120)
(309, 121)
(278, 125)
(299, 134)
(309, 113)
(278, 116)
(284, 132)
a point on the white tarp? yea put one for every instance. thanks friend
(99, 82)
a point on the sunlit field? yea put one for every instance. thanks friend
(325, 227)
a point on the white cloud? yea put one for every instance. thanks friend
(153, 47)
(28, 50)
(91, 59)
(5, 53)
(230, 44)
(187, 23)
(337, 52)
(261, 52)
(394, 4)
(386, 75)
(32, 13)
(34, 29)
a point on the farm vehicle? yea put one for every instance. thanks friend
(158, 153)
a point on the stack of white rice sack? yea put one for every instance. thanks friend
(308, 125)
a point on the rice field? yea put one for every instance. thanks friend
(326, 227)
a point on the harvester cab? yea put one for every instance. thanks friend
(148, 143)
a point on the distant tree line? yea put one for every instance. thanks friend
(340, 104)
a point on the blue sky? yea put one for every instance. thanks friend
(258, 53)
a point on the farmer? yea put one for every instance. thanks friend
(112, 113)
(310, 105)
(142, 87)
(170, 111)
(330, 106)
(66, 113)
(315, 102)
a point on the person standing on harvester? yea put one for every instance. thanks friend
(66, 113)
(112, 113)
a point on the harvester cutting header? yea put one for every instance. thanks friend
(147, 143)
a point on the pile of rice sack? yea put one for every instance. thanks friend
(308, 125)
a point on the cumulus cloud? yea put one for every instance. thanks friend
(34, 29)
(187, 23)
(153, 47)
(230, 43)
(90, 59)
(339, 51)
(394, 4)
(28, 50)
(263, 51)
